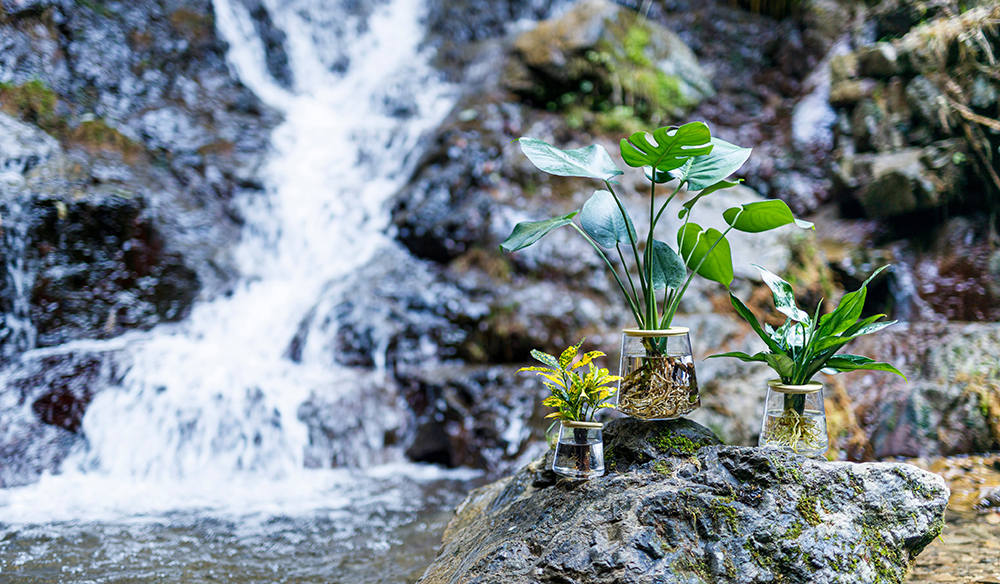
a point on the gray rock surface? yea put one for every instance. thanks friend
(676, 507)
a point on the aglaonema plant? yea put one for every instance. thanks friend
(808, 344)
(700, 164)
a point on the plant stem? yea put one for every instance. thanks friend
(677, 298)
(632, 305)
(643, 284)
(627, 274)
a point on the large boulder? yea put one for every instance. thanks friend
(676, 507)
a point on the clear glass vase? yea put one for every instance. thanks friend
(657, 369)
(794, 418)
(579, 450)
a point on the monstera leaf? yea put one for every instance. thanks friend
(670, 148)
(702, 172)
(602, 219)
(590, 162)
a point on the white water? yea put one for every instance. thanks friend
(206, 416)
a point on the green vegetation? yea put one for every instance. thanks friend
(671, 443)
(32, 102)
(700, 164)
(576, 397)
(806, 507)
(662, 466)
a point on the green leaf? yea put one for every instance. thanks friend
(528, 232)
(695, 243)
(762, 216)
(748, 316)
(704, 171)
(670, 147)
(590, 162)
(784, 296)
(782, 364)
(722, 184)
(856, 362)
(567, 356)
(848, 311)
(758, 358)
(668, 267)
(657, 176)
(545, 359)
(602, 219)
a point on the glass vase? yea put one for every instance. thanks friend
(794, 418)
(657, 370)
(579, 450)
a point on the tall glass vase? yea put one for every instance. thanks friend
(794, 418)
(658, 379)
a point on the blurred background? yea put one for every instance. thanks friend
(256, 325)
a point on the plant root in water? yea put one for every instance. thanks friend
(793, 430)
(661, 387)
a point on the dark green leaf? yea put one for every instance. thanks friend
(670, 147)
(782, 364)
(528, 232)
(545, 359)
(857, 362)
(748, 316)
(602, 219)
(659, 177)
(668, 267)
(695, 243)
(758, 358)
(784, 296)
(722, 184)
(590, 162)
(762, 216)
(704, 171)
(848, 311)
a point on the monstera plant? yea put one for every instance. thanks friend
(653, 274)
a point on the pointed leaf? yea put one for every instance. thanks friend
(704, 171)
(782, 364)
(545, 359)
(762, 216)
(670, 147)
(857, 362)
(590, 162)
(668, 267)
(722, 184)
(758, 358)
(848, 311)
(695, 243)
(588, 357)
(567, 356)
(784, 296)
(526, 233)
(602, 219)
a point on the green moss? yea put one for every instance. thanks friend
(635, 42)
(669, 442)
(98, 135)
(688, 564)
(609, 460)
(806, 507)
(725, 511)
(662, 467)
(889, 562)
(794, 531)
(32, 102)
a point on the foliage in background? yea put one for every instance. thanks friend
(698, 163)
(576, 396)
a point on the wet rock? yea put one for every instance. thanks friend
(481, 417)
(905, 180)
(41, 410)
(685, 510)
(878, 60)
(851, 91)
(599, 55)
(950, 403)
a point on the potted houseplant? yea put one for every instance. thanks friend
(657, 369)
(794, 416)
(577, 397)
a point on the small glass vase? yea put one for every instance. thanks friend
(657, 370)
(794, 418)
(579, 450)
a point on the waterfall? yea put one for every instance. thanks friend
(205, 415)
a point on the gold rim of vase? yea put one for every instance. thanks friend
(674, 331)
(778, 386)
(587, 425)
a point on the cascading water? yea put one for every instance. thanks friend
(204, 421)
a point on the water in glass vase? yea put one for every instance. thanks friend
(803, 433)
(658, 388)
(579, 454)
